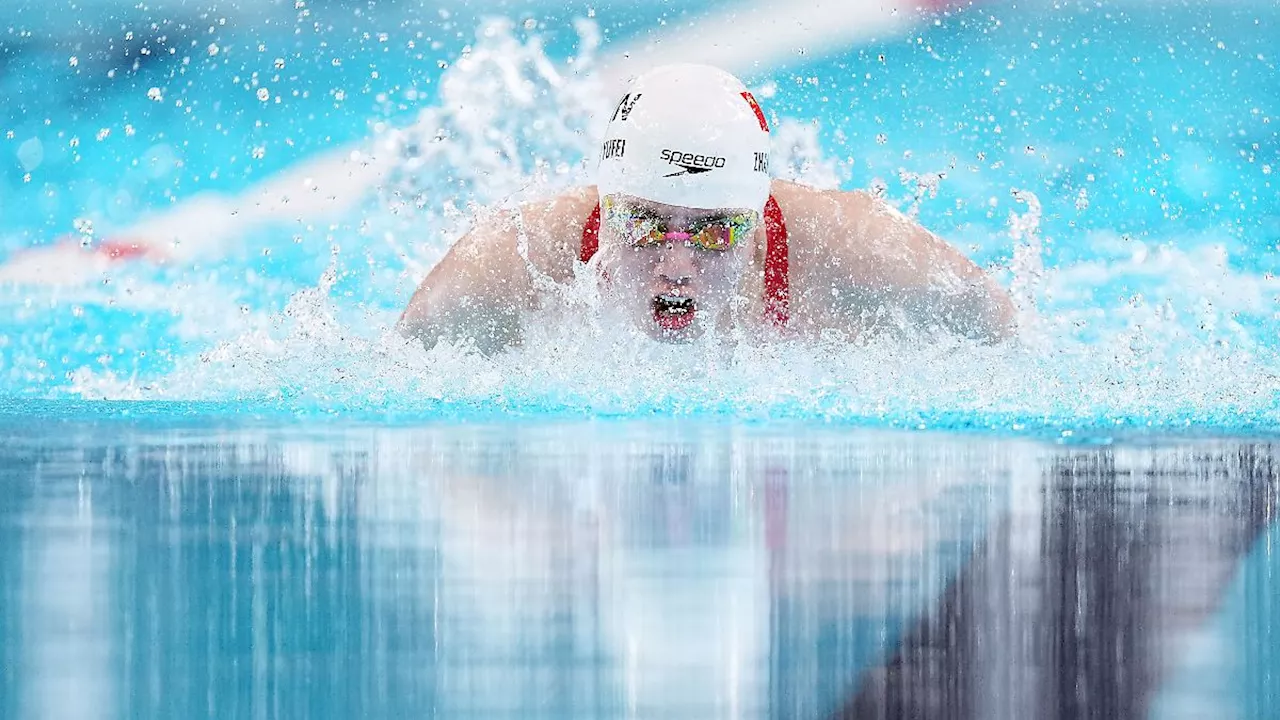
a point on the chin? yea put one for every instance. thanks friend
(675, 337)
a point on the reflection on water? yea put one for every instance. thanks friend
(631, 570)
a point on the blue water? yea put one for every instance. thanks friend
(629, 569)
(229, 491)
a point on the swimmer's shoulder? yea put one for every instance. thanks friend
(808, 204)
(554, 227)
(822, 220)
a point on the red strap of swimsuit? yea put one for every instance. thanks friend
(590, 236)
(777, 292)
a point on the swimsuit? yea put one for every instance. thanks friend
(776, 285)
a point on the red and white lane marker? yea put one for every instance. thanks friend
(764, 33)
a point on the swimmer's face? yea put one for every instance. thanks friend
(675, 269)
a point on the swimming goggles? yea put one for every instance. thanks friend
(643, 228)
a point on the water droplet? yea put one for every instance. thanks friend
(881, 138)
(1082, 200)
(264, 94)
(213, 49)
(103, 134)
(74, 61)
(337, 62)
(530, 23)
(84, 226)
(279, 63)
(259, 152)
(155, 94)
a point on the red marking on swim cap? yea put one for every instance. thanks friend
(755, 106)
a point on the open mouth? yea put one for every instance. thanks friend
(673, 312)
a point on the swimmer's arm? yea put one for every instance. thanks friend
(476, 293)
(929, 277)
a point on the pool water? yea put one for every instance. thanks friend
(630, 569)
(230, 490)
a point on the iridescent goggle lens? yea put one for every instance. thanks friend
(643, 229)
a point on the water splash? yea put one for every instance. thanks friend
(1028, 265)
(1165, 331)
(510, 124)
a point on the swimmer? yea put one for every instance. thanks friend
(687, 231)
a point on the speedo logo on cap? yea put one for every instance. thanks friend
(692, 163)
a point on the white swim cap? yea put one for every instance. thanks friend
(687, 135)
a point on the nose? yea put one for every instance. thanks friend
(676, 263)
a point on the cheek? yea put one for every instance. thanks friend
(628, 275)
(629, 269)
